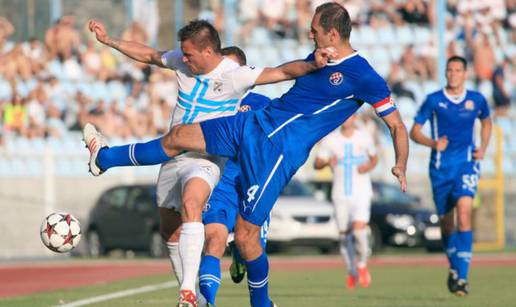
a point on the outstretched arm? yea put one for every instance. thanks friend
(295, 69)
(401, 148)
(136, 51)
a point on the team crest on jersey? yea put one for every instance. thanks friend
(469, 105)
(244, 108)
(336, 78)
(217, 87)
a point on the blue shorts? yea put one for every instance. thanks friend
(264, 169)
(222, 207)
(451, 183)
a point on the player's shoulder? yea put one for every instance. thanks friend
(474, 95)
(435, 97)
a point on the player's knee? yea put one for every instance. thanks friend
(215, 245)
(192, 210)
(168, 233)
(169, 140)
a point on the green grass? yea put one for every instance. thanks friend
(392, 286)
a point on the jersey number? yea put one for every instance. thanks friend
(251, 192)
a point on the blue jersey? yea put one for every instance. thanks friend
(321, 101)
(453, 117)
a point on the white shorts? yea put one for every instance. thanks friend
(349, 210)
(174, 174)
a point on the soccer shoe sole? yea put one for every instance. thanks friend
(94, 141)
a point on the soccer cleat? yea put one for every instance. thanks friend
(273, 305)
(452, 281)
(462, 288)
(236, 269)
(95, 141)
(351, 282)
(187, 299)
(364, 278)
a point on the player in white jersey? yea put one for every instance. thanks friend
(209, 86)
(351, 154)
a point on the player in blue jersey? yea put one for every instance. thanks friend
(454, 163)
(220, 212)
(271, 144)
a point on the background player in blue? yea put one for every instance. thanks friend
(219, 215)
(271, 144)
(454, 163)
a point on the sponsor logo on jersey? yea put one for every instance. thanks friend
(469, 105)
(443, 105)
(217, 87)
(336, 78)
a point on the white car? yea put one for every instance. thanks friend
(300, 219)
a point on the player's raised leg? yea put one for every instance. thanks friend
(157, 151)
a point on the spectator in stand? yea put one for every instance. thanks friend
(62, 39)
(415, 11)
(55, 125)
(6, 30)
(14, 114)
(91, 60)
(483, 58)
(395, 80)
(501, 95)
(248, 17)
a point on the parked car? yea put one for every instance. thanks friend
(125, 217)
(399, 219)
(300, 219)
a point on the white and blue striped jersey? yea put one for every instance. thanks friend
(453, 117)
(350, 153)
(215, 94)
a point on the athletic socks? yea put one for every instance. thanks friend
(464, 252)
(450, 247)
(149, 153)
(347, 250)
(362, 246)
(258, 281)
(209, 278)
(175, 259)
(191, 242)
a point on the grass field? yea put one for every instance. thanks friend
(393, 285)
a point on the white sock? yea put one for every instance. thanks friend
(347, 253)
(191, 243)
(175, 260)
(362, 246)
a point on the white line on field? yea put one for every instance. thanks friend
(128, 292)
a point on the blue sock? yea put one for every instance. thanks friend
(209, 277)
(450, 248)
(149, 153)
(464, 249)
(258, 281)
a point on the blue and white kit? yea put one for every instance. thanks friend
(271, 144)
(453, 172)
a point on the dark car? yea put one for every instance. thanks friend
(125, 217)
(399, 219)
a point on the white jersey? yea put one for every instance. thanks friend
(215, 94)
(350, 153)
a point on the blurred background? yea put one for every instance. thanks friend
(54, 77)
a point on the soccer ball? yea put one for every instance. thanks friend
(60, 232)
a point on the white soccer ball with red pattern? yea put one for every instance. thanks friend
(60, 232)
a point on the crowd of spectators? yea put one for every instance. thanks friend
(50, 87)
(53, 86)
